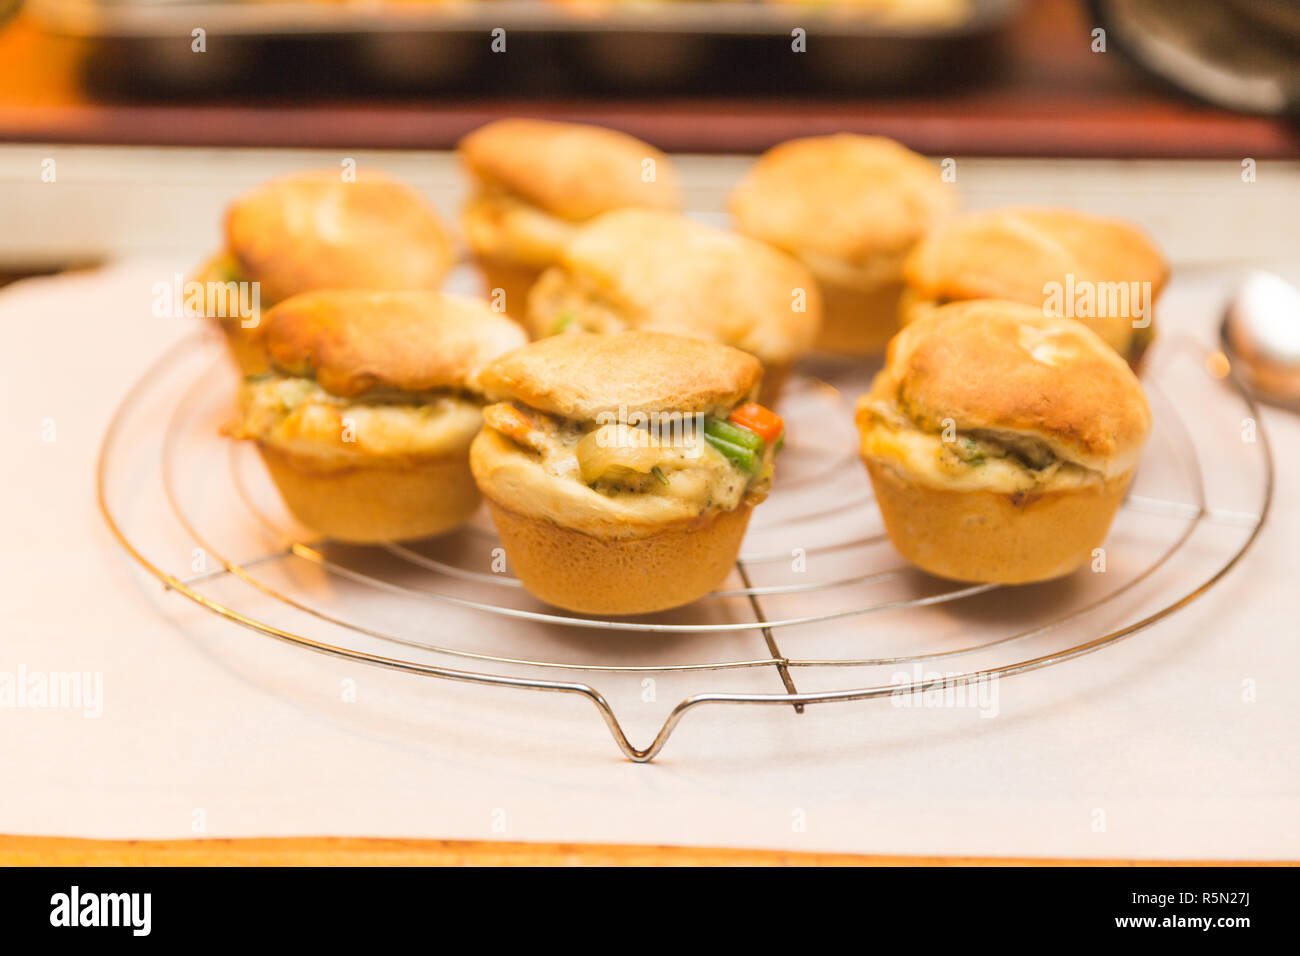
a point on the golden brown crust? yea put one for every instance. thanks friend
(352, 341)
(661, 271)
(986, 536)
(582, 375)
(1014, 253)
(571, 170)
(858, 321)
(993, 365)
(677, 564)
(844, 196)
(312, 230)
(380, 502)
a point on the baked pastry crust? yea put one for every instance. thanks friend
(848, 198)
(645, 269)
(850, 208)
(989, 536)
(680, 563)
(596, 513)
(354, 341)
(312, 230)
(367, 503)
(994, 365)
(1000, 442)
(1013, 253)
(583, 375)
(588, 383)
(858, 321)
(366, 418)
(571, 170)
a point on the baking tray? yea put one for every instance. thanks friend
(551, 48)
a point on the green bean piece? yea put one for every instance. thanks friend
(744, 458)
(733, 434)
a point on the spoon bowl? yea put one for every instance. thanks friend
(1261, 337)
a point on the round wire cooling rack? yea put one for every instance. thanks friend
(816, 574)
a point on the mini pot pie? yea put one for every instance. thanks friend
(313, 231)
(536, 181)
(1000, 442)
(365, 417)
(1105, 273)
(620, 470)
(850, 208)
(645, 269)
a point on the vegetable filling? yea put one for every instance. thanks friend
(714, 462)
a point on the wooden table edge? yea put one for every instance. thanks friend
(367, 851)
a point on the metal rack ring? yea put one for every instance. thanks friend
(182, 413)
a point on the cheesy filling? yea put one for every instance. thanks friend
(633, 464)
(296, 415)
(978, 459)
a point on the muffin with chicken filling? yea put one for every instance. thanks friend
(620, 470)
(1106, 273)
(644, 269)
(850, 208)
(1000, 442)
(536, 181)
(366, 415)
(314, 230)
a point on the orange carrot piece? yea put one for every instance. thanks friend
(756, 418)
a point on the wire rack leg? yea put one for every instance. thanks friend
(782, 664)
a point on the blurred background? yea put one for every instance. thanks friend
(1114, 79)
(1006, 77)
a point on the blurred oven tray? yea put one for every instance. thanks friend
(551, 47)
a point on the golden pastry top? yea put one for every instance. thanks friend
(583, 376)
(571, 170)
(356, 341)
(844, 197)
(646, 269)
(1044, 256)
(313, 230)
(993, 379)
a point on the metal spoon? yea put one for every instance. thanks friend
(1261, 337)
